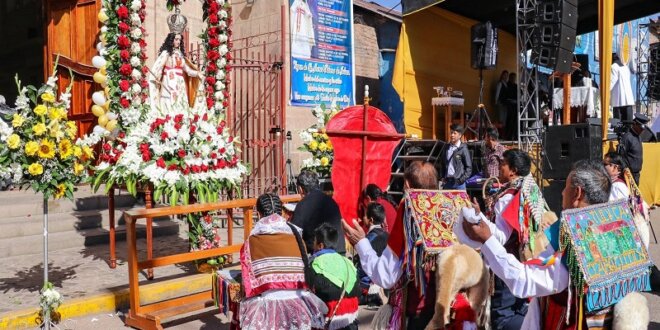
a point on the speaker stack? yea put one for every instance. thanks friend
(483, 46)
(555, 38)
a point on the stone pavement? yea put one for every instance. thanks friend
(82, 272)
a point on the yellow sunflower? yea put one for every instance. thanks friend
(48, 97)
(31, 148)
(78, 168)
(39, 129)
(54, 114)
(35, 169)
(17, 120)
(66, 149)
(61, 190)
(13, 141)
(77, 151)
(46, 149)
(40, 110)
(88, 152)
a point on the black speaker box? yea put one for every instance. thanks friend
(552, 195)
(559, 59)
(557, 11)
(483, 46)
(567, 144)
(557, 35)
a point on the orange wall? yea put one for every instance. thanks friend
(438, 54)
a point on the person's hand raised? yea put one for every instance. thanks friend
(354, 233)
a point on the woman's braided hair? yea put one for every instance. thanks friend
(269, 203)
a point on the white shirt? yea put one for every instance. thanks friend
(621, 88)
(619, 190)
(385, 270)
(450, 152)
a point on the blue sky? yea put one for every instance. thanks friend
(389, 3)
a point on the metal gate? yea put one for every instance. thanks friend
(257, 111)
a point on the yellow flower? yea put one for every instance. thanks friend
(325, 161)
(63, 113)
(322, 146)
(13, 141)
(46, 149)
(31, 148)
(54, 114)
(77, 151)
(325, 136)
(315, 134)
(61, 190)
(313, 145)
(18, 120)
(71, 129)
(35, 169)
(66, 149)
(329, 144)
(48, 97)
(39, 129)
(78, 168)
(40, 110)
(88, 152)
(55, 131)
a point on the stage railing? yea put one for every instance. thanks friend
(150, 316)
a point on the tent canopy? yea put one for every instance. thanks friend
(503, 14)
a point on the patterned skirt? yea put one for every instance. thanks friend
(283, 310)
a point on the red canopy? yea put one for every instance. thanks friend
(346, 132)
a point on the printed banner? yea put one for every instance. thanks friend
(321, 52)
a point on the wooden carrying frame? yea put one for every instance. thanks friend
(150, 316)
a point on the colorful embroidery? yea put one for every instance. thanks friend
(604, 253)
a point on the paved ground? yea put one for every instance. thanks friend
(84, 272)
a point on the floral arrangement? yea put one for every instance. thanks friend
(318, 144)
(173, 3)
(40, 149)
(49, 301)
(216, 40)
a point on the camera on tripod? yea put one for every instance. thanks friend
(620, 127)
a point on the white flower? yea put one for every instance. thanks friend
(5, 131)
(223, 37)
(220, 85)
(136, 88)
(135, 48)
(135, 61)
(219, 96)
(135, 19)
(223, 13)
(220, 2)
(66, 99)
(222, 24)
(52, 81)
(223, 49)
(136, 74)
(305, 136)
(104, 29)
(136, 5)
(222, 62)
(22, 101)
(220, 74)
(136, 33)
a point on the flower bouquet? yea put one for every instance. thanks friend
(318, 144)
(49, 301)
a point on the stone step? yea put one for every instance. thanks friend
(27, 203)
(33, 244)
(60, 222)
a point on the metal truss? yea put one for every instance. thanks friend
(530, 124)
(645, 104)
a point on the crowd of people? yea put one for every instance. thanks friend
(297, 274)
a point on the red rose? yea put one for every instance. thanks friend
(144, 146)
(124, 85)
(222, 163)
(212, 32)
(195, 169)
(177, 126)
(213, 7)
(173, 167)
(160, 162)
(123, 42)
(185, 170)
(214, 155)
(123, 27)
(213, 19)
(219, 129)
(144, 83)
(210, 80)
(210, 90)
(193, 129)
(125, 69)
(181, 153)
(222, 150)
(214, 42)
(125, 103)
(223, 123)
(228, 56)
(145, 69)
(205, 117)
(225, 103)
(209, 102)
(196, 118)
(211, 68)
(205, 168)
(143, 43)
(146, 157)
(125, 55)
(163, 136)
(122, 12)
(231, 139)
(208, 138)
(178, 118)
(212, 55)
(107, 147)
(121, 135)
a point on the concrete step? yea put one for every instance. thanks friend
(27, 203)
(60, 222)
(33, 244)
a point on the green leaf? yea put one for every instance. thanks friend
(173, 196)
(109, 185)
(158, 193)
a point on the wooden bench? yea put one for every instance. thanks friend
(150, 316)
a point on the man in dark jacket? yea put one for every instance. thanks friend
(630, 146)
(455, 161)
(315, 209)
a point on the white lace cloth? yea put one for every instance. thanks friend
(283, 310)
(580, 96)
(446, 100)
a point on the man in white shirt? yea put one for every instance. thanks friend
(587, 184)
(621, 89)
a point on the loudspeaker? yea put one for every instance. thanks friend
(567, 144)
(483, 46)
(552, 195)
(555, 39)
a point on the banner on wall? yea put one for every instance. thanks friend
(321, 52)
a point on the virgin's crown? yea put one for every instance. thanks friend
(177, 22)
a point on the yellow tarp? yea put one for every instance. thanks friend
(649, 179)
(434, 50)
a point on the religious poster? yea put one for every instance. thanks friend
(321, 52)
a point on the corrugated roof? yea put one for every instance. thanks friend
(392, 14)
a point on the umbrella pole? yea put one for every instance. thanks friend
(46, 313)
